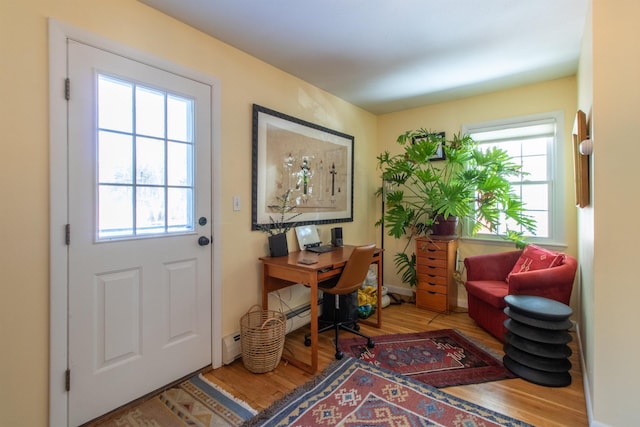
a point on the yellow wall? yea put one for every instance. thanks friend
(24, 169)
(450, 116)
(614, 235)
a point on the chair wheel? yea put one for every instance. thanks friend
(371, 344)
(307, 342)
(356, 327)
(339, 355)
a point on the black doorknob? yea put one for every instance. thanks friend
(203, 241)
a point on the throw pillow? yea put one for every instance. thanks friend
(536, 258)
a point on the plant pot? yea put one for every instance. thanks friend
(278, 245)
(444, 227)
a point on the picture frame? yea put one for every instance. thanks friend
(312, 162)
(440, 153)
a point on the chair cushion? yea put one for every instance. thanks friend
(491, 292)
(536, 258)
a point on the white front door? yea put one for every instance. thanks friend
(139, 191)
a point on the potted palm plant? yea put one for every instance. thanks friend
(436, 182)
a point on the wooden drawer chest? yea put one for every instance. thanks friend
(435, 264)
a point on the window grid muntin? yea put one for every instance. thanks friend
(136, 231)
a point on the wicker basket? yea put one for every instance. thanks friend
(262, 339)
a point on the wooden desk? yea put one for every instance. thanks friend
(280, 272)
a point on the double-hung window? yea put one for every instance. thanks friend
(535, 143)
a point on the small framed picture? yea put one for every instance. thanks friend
(439, 136)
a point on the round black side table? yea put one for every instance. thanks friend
(536, 340)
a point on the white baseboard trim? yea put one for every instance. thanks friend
(400, 290)
(585, 383)
(585, 376)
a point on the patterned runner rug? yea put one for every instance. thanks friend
(195, 402)
(355, 393)
(440, 358)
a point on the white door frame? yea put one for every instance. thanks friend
(58, 169)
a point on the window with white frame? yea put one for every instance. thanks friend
(533, 142)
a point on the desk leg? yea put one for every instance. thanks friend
(311, 368)
(314, 325)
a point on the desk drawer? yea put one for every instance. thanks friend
(433, 270)
(439, 288)
(433, 281)
(431, 300)
(431, 253)
(324, 275)
(284, 272)
(432, 262)
(427, 247)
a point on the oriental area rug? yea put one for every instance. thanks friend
(195, 402)
(351, 392)
(440, 358)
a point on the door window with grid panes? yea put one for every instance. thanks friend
(145, 160)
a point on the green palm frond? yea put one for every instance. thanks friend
(406, 267)
(470, 183)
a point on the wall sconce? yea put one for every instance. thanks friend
(586, 147)
(582, 147)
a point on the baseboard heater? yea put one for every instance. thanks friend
(296, 318)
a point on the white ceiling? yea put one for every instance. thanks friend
(389, 55)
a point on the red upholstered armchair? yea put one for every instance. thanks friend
(487, 286)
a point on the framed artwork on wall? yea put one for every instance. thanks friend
(440, 153)
(312, 163)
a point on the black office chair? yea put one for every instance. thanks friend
(351, 278)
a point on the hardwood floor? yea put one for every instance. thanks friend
(537, 405)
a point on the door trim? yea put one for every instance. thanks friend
(59, 32)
